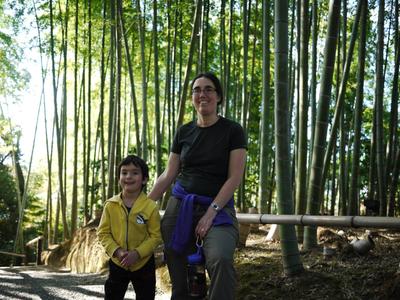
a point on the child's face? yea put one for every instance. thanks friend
(131, 178)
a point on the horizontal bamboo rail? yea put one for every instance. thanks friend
(34, 241)
(21, 256)
(13, 254)
(316, 220)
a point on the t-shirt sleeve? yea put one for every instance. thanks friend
(176, 147)
(238, 137)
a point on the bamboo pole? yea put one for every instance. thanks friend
(315, 220)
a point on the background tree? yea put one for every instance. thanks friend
(290, 253)
(314, 185)
(121, 70)
(354, 185)
(378, 124)
(265, 112)
(303, 106)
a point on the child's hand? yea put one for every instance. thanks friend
(129, 258)
(120, 253)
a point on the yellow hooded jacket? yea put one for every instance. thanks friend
(137, 230)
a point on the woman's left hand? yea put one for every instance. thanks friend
(205, 223)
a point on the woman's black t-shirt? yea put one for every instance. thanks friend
(204, 154)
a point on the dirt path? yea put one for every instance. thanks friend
(40, 282)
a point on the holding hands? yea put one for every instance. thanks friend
(127, 258)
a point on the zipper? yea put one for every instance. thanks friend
(127, 227)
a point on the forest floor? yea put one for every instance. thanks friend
(343, 275)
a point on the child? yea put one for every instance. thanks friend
(129, 231)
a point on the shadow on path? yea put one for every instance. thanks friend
(41, 282)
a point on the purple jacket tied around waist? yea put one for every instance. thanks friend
(181, 234)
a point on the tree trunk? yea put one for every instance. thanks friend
(131, 81)
(313, 86)
(301, 178)
(355, 168)
(89, 116)
(156, 94)
(379, 85)
(112, 105)
(290, 252)
(74, 202)
(222, 42)
(265, 112)
(314, 185)
(193, 41)
(342, 120)
(393, 140)
(341, 95)
(141, 30)
(228, 67)
(101, 113)
(62, 132)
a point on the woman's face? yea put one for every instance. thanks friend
(204, 96)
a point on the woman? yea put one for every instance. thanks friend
(207, 160)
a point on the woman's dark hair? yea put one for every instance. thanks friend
(136, 161)
(215, 81)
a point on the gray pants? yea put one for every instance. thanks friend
(219, 247)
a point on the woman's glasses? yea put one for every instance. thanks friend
(208, 90)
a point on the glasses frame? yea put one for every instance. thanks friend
(208, 90)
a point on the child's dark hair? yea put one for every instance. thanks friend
(215, 80)
(136, 161)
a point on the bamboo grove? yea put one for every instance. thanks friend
(314, 84)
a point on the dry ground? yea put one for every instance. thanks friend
(345, 275)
